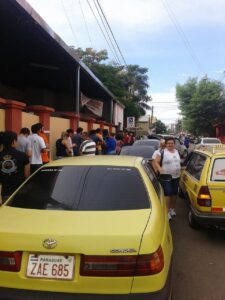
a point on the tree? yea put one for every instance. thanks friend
(160, 127)
(202, 104)
(129, 84)
(179, 126)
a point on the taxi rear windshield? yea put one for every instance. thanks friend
(218, 170)
(83, 188)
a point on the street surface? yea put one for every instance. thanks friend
(199, 260)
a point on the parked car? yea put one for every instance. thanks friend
(202, 182)
(143, 151)
(207, 141)
(87, 228)
(147, 142)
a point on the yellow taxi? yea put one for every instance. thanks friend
(87, 228)
(202, 182)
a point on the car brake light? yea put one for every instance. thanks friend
(10, 261)
(204, 197)
(122, 266)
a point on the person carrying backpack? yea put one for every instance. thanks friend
(170, 165)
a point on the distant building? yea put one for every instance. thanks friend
(145, 125)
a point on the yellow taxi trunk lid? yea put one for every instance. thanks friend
(87, 232)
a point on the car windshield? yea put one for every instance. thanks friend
(83, 188)
(211, 141)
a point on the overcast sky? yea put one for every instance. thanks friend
(174, 39)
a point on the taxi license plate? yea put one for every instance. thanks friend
(50, 266)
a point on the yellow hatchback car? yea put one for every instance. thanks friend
(203, 184)
(87, 228)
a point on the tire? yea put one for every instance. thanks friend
(191, 221)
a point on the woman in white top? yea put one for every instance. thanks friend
(168, 162)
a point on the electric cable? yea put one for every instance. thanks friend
(85, 23)
(102, 30)
(182, 34)
(106, 30)
(112, 33)
(70, 25)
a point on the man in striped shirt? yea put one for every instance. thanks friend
(88, 146)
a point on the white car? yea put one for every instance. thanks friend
(207, 141)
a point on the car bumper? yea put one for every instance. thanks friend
(208, 219)
(17, 294)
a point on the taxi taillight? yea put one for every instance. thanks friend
(122, 266)
(10, 261)
(204, 197)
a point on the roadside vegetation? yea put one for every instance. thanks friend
(202, 105)
(128, 83)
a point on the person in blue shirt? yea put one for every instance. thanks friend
(110, 144)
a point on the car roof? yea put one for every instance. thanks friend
(98, 160)
(212, 150)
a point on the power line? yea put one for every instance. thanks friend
(107, 32)
(182, 34)
(111, 32)
(70, 25)
(85, 23)
(101, 30)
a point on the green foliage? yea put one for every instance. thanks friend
(202, 105)
(129, 84)
(160, 127)
(178, 126)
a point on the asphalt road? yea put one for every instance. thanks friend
(199, 260)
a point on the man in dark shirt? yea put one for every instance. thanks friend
(77, 139)
(14, 165)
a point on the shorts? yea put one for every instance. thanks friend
(170, 187)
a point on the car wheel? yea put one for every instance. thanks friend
(191, 220)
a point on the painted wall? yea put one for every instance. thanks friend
(83, 125)
(57, 125)
(95, 126)
(2, 120)
(29, 119)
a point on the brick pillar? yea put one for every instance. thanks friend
(13, 115)
(74, 119)
(90, 123)
(74, 122)
(44, 113)
(110, 128)
(101, 124)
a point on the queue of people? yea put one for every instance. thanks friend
(23, 154)
(100, 141)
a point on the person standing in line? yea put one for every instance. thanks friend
(38, 146)
(162, 146)
(88, 146)
(100, 141)
(23, 143)
(14, 165)
(44, 155)
(70, 138)
(168, 162)
(63, 148)
(77, 140)
(111, 144)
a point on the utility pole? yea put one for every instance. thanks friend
(151, 119)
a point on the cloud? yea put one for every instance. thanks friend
(165, 106)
